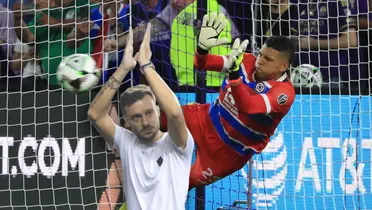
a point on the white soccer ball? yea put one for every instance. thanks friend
(78, 73)
(306, 75)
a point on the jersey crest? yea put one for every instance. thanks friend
(260, 87)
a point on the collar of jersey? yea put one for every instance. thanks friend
(155, 142)
(281, 79)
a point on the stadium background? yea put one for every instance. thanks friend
(319, 158)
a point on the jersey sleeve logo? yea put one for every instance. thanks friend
(282, 99)
(260, 87)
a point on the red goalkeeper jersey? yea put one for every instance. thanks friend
(246, 114)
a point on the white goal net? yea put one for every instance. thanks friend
(320, 155)
(51, 157)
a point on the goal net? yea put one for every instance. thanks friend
(51, 157)
(319, 157)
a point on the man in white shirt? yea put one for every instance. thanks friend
(156, 165)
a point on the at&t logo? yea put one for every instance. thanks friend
(269, 172)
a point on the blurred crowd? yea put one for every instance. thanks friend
(333, 35)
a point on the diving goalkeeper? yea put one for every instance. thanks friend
(255, 95)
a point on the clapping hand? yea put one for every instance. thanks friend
(144, 54)
(128, 62)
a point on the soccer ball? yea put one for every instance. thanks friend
(78, 73)
(306, 75)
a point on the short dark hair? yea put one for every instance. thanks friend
(134, 94)
(282, 44)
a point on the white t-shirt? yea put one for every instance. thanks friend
(155, 176)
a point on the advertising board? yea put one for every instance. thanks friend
(319, 158)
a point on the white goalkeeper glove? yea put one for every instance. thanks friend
(212, 27)
(237, 54)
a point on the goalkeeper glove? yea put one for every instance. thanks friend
(212, 27)
(237, 54)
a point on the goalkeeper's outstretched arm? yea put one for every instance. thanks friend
(205, 61)
(97, 112)
(164, 95)
(260, 103)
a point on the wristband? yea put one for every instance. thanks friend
(235, 82)
(233, 75)
(144, 66)
(201, 51)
